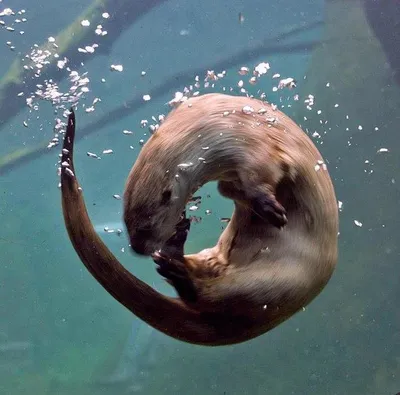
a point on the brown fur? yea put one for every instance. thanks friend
(276, 254)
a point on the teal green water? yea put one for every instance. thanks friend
(61, 333)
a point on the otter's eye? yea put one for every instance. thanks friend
(166, 197)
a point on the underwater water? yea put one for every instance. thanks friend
(60, 331)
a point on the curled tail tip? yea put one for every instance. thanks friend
(71, 113)
(70, 133)
(68, 146)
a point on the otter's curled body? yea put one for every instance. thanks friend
(279, 249)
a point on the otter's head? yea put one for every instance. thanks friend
(154, 199)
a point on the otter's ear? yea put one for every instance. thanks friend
(166, 197)
(268, 208)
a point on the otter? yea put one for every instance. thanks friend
(275, 255)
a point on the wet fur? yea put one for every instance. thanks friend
(278, 251)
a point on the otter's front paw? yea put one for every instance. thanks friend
(175, 272)
(174, 246)
(268, 208)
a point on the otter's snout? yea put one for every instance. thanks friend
(140, 249)
(142, 242)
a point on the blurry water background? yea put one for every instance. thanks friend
(61, 333)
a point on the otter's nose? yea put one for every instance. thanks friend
(139, 249)
(140, 242)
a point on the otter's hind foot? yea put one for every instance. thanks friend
(268, 208)
(175, 272)
(262, 202)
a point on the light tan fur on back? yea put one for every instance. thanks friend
(279, 249)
